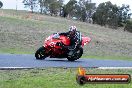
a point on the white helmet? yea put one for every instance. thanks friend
(73, 29)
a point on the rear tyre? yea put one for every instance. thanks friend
(76, 55)
(40, 53)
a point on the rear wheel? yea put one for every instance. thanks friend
(40, 53)
(76, 55)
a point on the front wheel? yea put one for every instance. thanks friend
(40, 53)
(77, 54)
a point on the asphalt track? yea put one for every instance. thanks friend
(24, 60)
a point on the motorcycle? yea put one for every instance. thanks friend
(53, 47)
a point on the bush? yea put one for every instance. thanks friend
(1, 4)
(128, 26)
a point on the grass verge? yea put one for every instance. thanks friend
(54, 78)
(14, 51)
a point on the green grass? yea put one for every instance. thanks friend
(53, 78)
(15, 51)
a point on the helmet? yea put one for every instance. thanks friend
(72, 29)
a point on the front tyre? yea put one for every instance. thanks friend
(40, 53)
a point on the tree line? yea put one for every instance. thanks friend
(105, 14)
(82, 9)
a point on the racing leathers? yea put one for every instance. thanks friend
(73, 42)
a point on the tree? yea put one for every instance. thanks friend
(90, 8)
(42, 6)
(128, 26)
(111, 15)
(50, 6)
(1, 4)
(32, 4)
(101, 16)
(54, 7)
(61, 6)
(124, 14)
(69, 8)
(86, 9)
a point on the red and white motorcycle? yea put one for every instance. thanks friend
(52, 47)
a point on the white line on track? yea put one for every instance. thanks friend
(13, 68)
(114, 68)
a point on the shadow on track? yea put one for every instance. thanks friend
(64, 60)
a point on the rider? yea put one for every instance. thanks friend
(72, 34)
